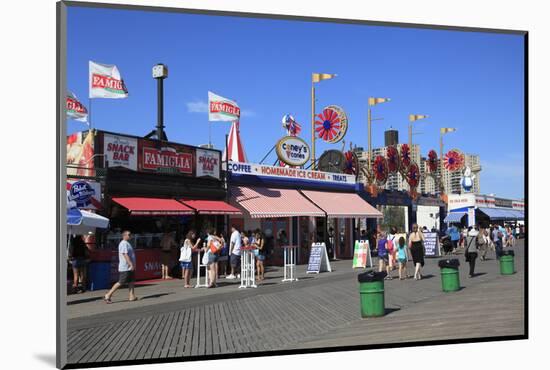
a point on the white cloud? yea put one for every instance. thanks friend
(200, 106)
(197, 106)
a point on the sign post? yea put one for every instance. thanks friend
(318, 259)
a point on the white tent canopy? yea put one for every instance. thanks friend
(87, 223)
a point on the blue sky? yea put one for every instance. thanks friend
(467, 80)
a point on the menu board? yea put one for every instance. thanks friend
(361, 254)
(431, 244)
(318, 259)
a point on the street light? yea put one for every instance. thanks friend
(372, 102)
(413, 118)
(442, 131)
(315, 77)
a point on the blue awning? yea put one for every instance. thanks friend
(454, 217)
(501, 213)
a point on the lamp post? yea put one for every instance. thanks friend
(372, 102)
(315, 77)
(413, 118)
(442, 131)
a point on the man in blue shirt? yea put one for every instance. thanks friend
(126, 268)
(454, 235)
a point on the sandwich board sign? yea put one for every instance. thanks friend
(431, 245)
(361, 253)
(318, 259)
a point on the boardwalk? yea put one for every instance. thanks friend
(317, 311)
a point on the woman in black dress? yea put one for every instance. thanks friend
(416, 246)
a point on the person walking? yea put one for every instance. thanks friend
(234, 252)
(483, 243)
(402, 257)
(167, 243)
(383, 255)
(78, 254)
(416, 246)
(454, 235)
(392, 248)
(470, 250)
(126, 268)
(186, 254)
(497, 240)
(259, 243)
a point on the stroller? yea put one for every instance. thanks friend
(447, 244)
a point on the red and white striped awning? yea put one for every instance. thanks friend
(271, 202)
(342, 205)
(235, 145)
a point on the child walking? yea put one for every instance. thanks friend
(402, 258)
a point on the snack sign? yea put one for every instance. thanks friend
(208, 163)
(293, 151)
(120, 151)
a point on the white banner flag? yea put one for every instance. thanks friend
(222, 109)
(105, 82)
(75, 109)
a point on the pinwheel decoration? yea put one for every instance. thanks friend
(432, 161)
(454, 160)
(331, 125)
(413, 175)
(405, 156)
(292, 127)
(351, 164)
(380, 169)
(392, 157)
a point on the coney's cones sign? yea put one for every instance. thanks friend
(105, 82)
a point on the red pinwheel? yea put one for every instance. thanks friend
(351, 166)
(405, 155)
(380, 170)
(454, 160)
(432, 161)
(413, 175)
(392, 156)
(331, 126)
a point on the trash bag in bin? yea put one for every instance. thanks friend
(449, 263)
(507, 253)
(370, 276)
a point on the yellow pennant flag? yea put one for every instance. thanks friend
(374, 101)
(316, 77)
(415, 117)
(444, 130)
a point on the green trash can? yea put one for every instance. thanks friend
(450, 279)
(371, 290)
(507, 263)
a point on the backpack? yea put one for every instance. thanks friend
(390, 245)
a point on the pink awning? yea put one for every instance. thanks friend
(271, 202)
(342, 205)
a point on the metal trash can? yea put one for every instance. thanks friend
(371, 290)
(507, 263)
(450, 279)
